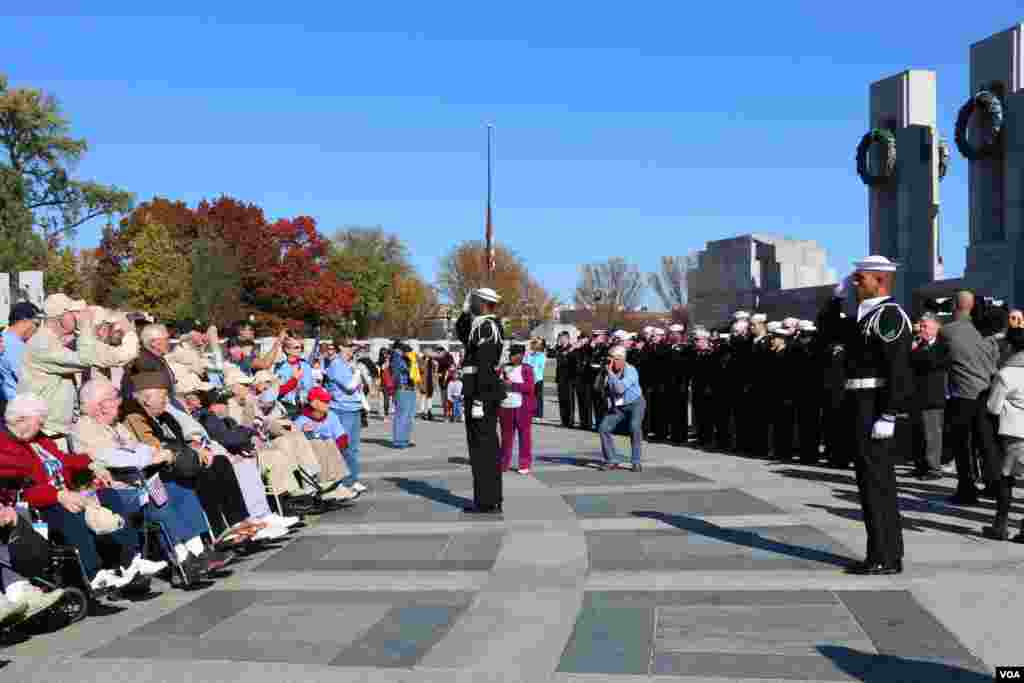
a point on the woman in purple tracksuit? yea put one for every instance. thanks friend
(516, 411)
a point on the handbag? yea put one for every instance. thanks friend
(30, 552)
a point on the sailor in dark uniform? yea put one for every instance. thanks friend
(758, 423)
(480, 332)
(704, 361)
(584, 389)
(565, 379)
(879, 389)
(595, 369)
(677, 394)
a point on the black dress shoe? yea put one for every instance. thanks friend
(489, 510)
(876, 569)
(637, 467)
(961, 499)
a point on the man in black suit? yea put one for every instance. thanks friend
(929, 359)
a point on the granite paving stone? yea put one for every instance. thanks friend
(660, 504)
(401, 638)
(591, 477)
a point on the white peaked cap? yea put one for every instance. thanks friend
(758, 318)
(648, 329)
(876, 264)
(659, 331)
(782, 332)
(807, 326)
(676, 328)
(488, 294)
(621, 334)
(701, 333)
(740, 315)
(773, 325)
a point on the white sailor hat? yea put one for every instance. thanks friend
(487, 294)
(621, 334)
(806, 326)
(676, 328)
(598, 333)
(740, 315)
(724, 335)
(701, 333)
(876, 264)
(773, 326)
(782, 332)
(659, 332)
(648, 329)
(758, 318)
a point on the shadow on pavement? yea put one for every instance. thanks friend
(873, 668)
(908, 524)
(570, 460)
(746, 538)
(425, 490)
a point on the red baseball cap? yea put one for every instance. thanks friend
(319, 394)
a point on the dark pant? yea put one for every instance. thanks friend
(219, 494)
(482, 440)
(659, 408)
(725, 408)
(836, 428)
(782, 430)
(704, 415)
(538, 392)
(926, 437)
(679, 426)
(969, 416)
(181, 517)
(583, 391)
(566, 402)
(876, 482)
(69, 528)
(808, 419)
(600, 406)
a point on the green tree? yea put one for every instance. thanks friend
(37, 154)
(62, 273)
(216, 282)
(158, 280)
(369, 259)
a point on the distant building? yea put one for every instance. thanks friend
(755, 271)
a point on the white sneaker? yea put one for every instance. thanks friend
(341, 493)
(275, 519)
(34, 599)
(107, 578)
(270, 533)
(525, 470)
(12, 612)
(358, 487)
(146, 567)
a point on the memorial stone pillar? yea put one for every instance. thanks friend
(901, 161)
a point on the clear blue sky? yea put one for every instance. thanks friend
(633, 129)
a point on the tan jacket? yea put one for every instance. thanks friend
(111, 445)
(51, 370)
(195, 360)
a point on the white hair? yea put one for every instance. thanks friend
(25, 405)
(151, 332)
(92, 390)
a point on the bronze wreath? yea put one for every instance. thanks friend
(883, 137)
(990, 104)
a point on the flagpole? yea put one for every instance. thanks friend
(489, 227)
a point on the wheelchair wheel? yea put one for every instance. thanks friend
(75, 605)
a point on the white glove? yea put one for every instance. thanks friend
(841, 289)
(465, 304)
(883, 429)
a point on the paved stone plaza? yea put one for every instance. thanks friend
(703, 567)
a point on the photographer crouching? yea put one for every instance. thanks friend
(625, 403)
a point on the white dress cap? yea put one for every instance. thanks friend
(876, 264)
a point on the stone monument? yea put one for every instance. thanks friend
(901, 159)
(990, 134)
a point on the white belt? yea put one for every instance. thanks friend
(469, 370)
(866, 383)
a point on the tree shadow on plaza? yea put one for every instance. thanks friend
(744, 537)
(872, 668)
(424, 489)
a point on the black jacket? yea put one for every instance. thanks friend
(225, 431)
(930, 363)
